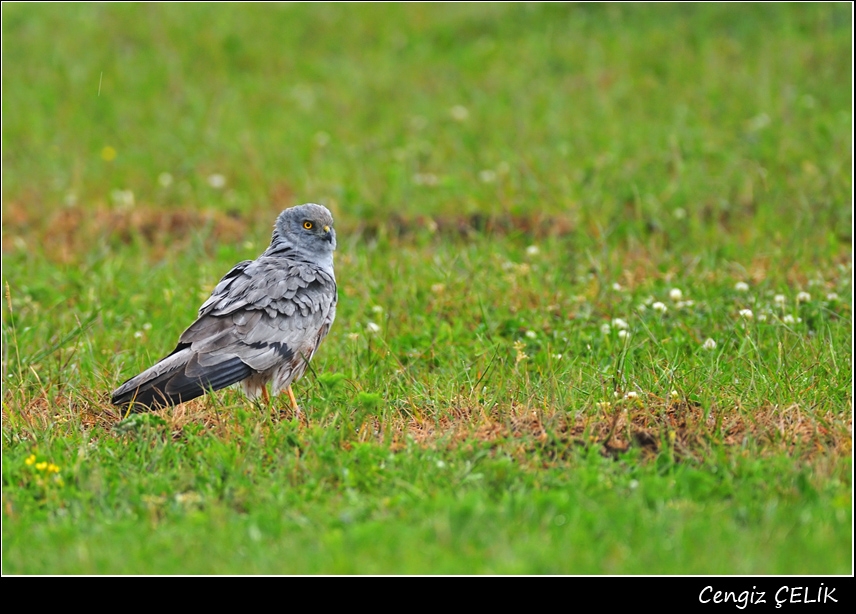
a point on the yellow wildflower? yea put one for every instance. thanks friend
(30, 459)
(108, 154)
(52, 468)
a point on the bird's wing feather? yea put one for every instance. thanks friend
(178, 378)
(266, 313)
(224, 286)
(263, 313)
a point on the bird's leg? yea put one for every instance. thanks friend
(265, 396)
(293, 402)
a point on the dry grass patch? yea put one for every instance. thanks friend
(653, 425)
(74, 230)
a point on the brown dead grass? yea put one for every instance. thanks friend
(533, 225)
(68, 232)
(652, 425)
(72, 232)
(66, 235)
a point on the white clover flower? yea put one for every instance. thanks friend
(746, 313)
(459, 113)
(623, 334)
(616, 286)
(832, 296)
(709, 344)
(633, 484)
(122, 198)
(138, 334)
(165, 180)
(532, 250)
(641, 307)
(675, 393)
(631, 395)
(679, 213)
(759, 122)
(216, 181)
(620, 324)
(675, 294)
(147, 326)
(788, 319)
(372, 328)
(425, 179)
(531, 334)
(487, 176)
(377, 309)
(779, 299)
(762, 317)
(661, 307)
(605, 328)
(741, 286)
(557, 356)
(803, 297)
(438, 288)
(322, 139)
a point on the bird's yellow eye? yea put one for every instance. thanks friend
(307, 225)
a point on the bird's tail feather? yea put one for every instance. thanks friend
(178, 378)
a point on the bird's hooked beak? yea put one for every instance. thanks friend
(328, 233)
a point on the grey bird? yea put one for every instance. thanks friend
(262, 323)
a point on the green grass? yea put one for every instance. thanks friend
(518, 191)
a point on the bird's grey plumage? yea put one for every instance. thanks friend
(262, 323)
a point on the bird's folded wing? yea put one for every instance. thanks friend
(265, 313)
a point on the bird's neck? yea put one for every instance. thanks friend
(282, 248)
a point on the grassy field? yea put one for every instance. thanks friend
(595, 287)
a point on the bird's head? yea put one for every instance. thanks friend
(306, 228)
